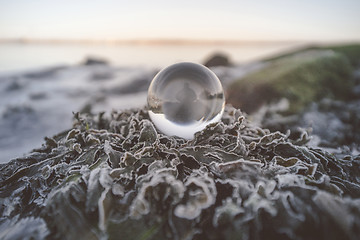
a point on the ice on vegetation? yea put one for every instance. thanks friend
(130, 181)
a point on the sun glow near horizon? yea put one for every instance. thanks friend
(113, 21)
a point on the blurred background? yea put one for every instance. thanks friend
(60, 57)
(157, 33)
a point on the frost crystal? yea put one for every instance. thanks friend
(118, 178)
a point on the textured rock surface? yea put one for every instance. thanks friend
(118, 178)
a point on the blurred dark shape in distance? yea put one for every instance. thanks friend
(217, 59)
(94, 61)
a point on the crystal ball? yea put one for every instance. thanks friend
(184, 98)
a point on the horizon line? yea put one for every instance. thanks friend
(144, 41)
(166, 41)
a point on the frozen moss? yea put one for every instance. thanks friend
(118, 178)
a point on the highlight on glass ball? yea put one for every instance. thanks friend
(184, 98)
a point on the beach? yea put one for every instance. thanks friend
(39, 94)
(82, 159)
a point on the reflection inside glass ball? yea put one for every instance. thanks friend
(184, 98)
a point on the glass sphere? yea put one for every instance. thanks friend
(184, 98)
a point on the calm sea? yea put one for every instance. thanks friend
(19, 56)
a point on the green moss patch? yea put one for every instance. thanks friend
(301, 77)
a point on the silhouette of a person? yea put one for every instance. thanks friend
(184, 109)
(186, 94)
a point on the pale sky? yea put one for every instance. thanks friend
(314, 20)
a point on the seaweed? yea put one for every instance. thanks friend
(117, 177)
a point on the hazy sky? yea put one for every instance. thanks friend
(203, 19)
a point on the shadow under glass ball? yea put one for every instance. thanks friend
(184, 98)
